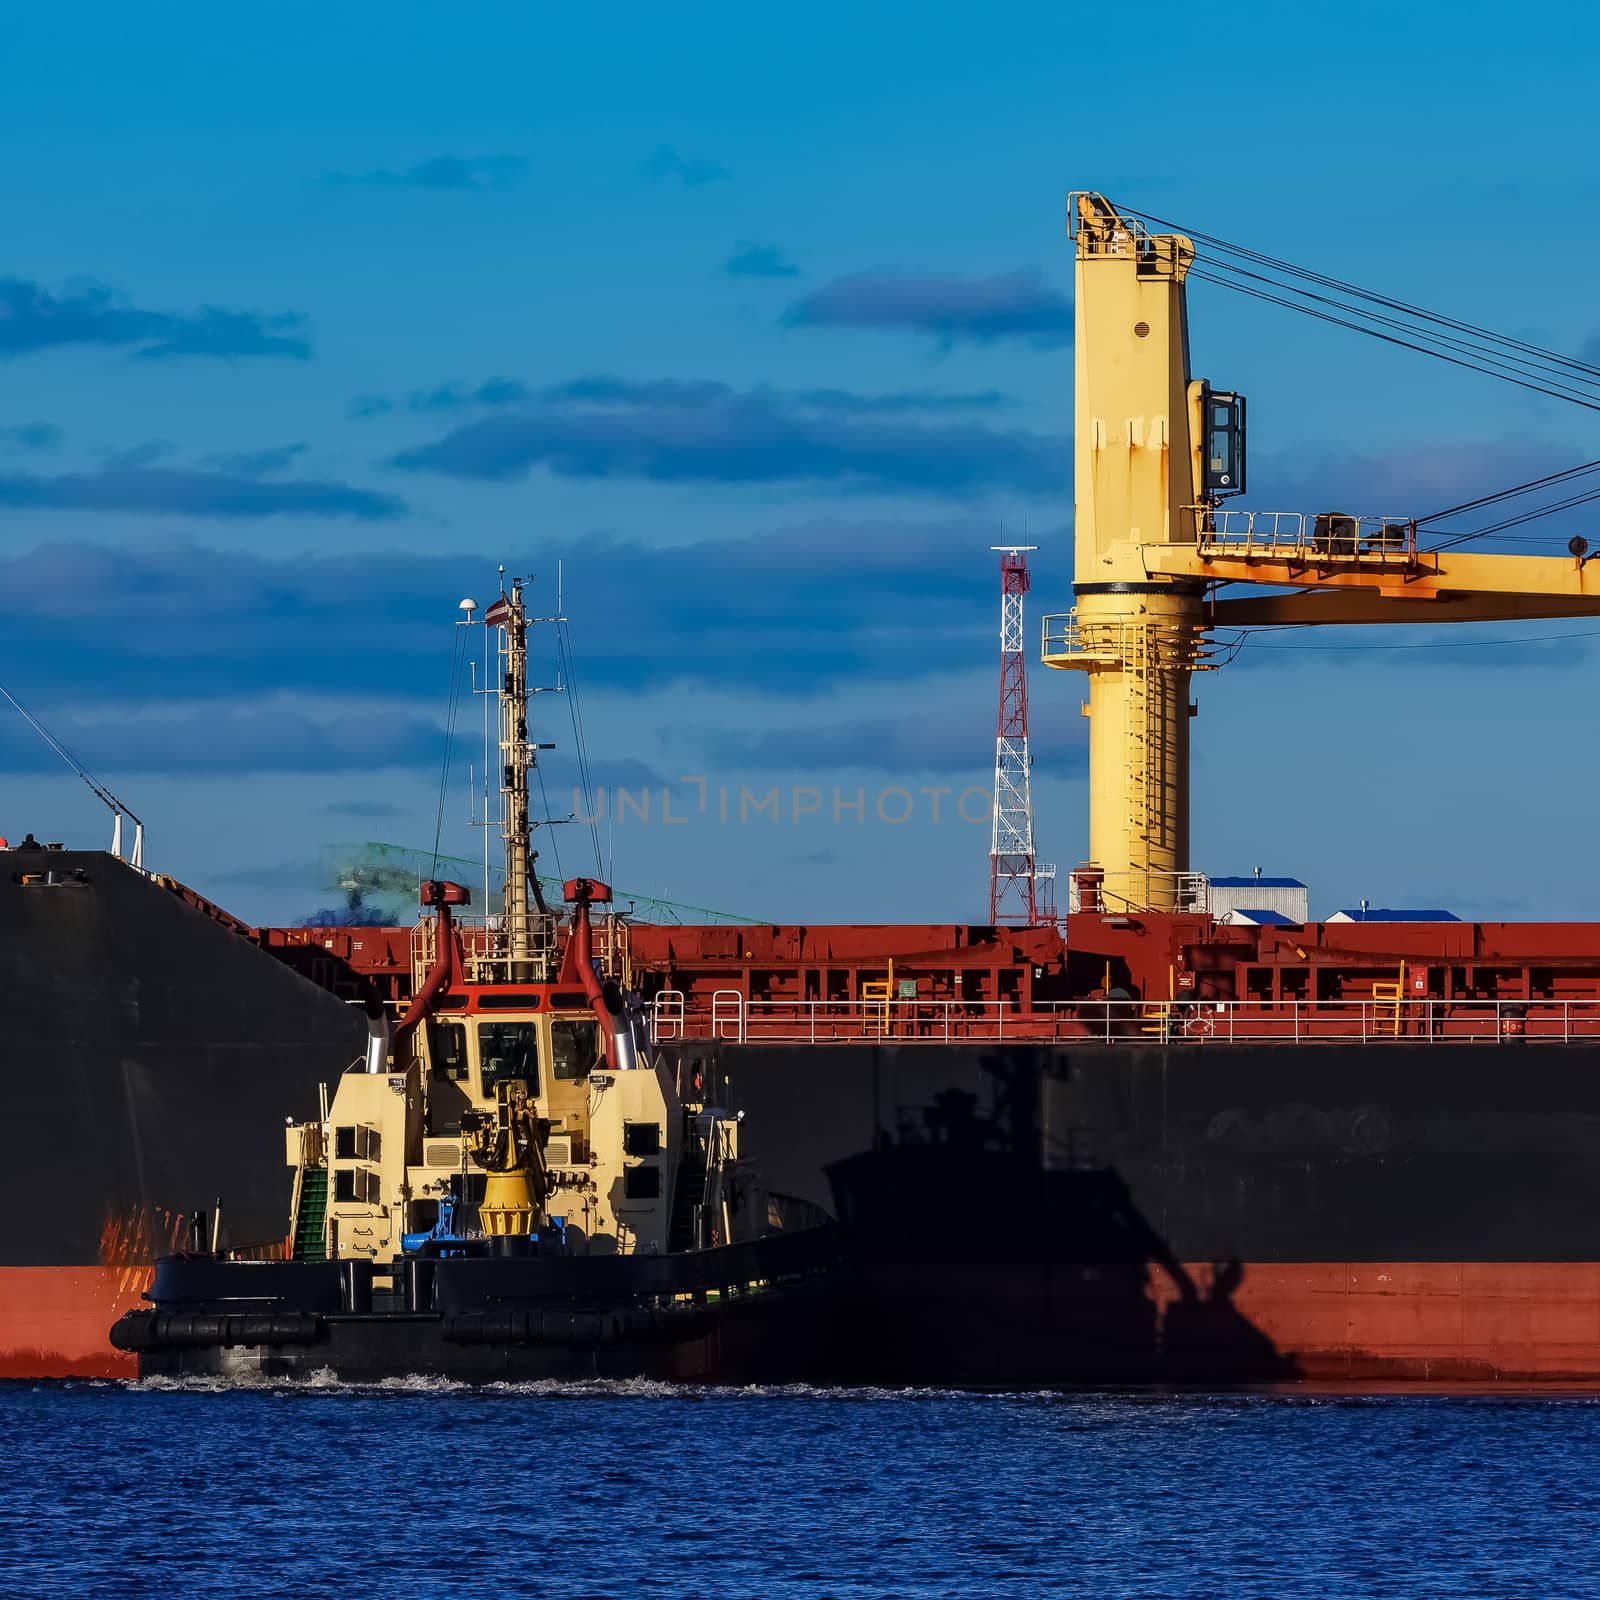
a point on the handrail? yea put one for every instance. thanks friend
(1310, 536)
(733, 1018)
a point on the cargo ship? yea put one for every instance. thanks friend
(1180, 1134)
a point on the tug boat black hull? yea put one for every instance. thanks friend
(752, 1312)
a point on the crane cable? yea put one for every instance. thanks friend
(1572, 396)
(1372, 296)
(1515, 361)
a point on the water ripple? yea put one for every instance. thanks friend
(422, 1488)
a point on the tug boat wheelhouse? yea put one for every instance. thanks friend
(505, 1186)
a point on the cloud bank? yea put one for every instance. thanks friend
(33, 318)
(1013, 305)
(677, 431)
(130, 485)
(264, 735)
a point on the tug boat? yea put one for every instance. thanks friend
(504, 1186)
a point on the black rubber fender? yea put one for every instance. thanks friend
(138, 1331)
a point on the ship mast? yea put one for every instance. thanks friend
(514, 759)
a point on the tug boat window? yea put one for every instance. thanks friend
(642, 1182)
(447, 1050)
(509, 1050)
(641, 1138)
(573, 1048)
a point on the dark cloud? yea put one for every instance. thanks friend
(34, 318)
(759, 261)
(665, 164)
(474, 174)
(29, 436)
(604, 389)
(229, 334)
(223, 737)
(259, 463)
(689, 393)
(792, 611)
(673, 431)
(1010, 305)
(446, 397)
(128, 485)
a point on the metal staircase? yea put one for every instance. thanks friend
(688, 1197)
(310, 1222)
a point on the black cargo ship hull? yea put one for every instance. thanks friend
(153, 1055)
(1014, 1214)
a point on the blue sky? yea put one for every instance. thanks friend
(758, 322)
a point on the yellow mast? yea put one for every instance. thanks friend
(1155, 453)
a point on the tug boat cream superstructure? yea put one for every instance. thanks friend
(505, 1185)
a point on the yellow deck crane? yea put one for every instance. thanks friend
(1156, 454)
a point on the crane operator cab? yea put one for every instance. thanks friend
(1222, 435)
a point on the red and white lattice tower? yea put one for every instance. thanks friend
(1020, 890)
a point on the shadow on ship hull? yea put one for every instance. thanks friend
(973, 1264)
(1020, 1215)
(1080, 1290)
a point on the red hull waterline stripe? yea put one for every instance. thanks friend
(55, 1322)
(1434, 1322)
(1453, 1323)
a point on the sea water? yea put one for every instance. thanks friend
(622, 1490)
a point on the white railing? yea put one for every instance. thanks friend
(666, 1016)
(1308, 536)
(734, 1019)
(1325, 1021)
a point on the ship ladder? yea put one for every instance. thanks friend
(310, 1223)
(1389, 997)
(688, 1197)
(1157, 1019)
